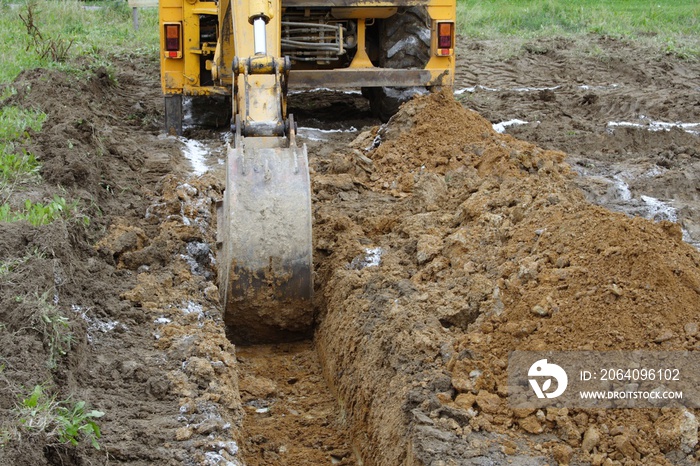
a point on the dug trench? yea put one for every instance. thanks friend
(440, 246)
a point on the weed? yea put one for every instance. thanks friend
(75, 421)
(54, 329)
(96, 34)
(64, 421)
(8, 92)
(44, 45)
(15, 123)
(57, 333)
(17, 165)
(6, 267)
(17, 168)
(38, 411)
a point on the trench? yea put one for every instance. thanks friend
(292, 416)
(291, 413)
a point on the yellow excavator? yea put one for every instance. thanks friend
(251, 52)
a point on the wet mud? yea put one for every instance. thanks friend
(435, 238)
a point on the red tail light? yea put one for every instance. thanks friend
(172, 37)
(445, 38)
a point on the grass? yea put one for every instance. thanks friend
(496, 18)
(53, 326)
(668, 25)
(69, 35)
(16, 165)
(98, 31)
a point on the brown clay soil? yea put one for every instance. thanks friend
(440, 247)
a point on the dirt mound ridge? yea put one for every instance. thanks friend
(486, 247)
(71, 316)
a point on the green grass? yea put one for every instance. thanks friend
(97, 35)
(17, 165)
(42, 214)
(673, 25)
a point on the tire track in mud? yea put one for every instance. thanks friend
(615, 108)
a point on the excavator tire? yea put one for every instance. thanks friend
(405, 42)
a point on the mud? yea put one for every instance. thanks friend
(601, 102)
(291, 416)
(435, 237)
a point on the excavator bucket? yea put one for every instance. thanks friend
(265, 260)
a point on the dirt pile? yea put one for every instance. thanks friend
(485, 246)
(175, 292)
(115, 321)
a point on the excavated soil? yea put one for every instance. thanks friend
(440, 245)
(476, 231)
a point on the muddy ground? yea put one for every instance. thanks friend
(440, 246)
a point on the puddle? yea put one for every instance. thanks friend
(659, 210)
(325, 89)
(601, 87)
(584, 87)
(609, 188)
(318, 134)
(196, 153)
(510, 89)
(654, 125)
(501, 127)
(622, 189)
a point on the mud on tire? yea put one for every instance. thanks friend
(404, 39)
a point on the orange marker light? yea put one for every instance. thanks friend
(444, 35)
(172, 37)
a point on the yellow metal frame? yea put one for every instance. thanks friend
(182, 75)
